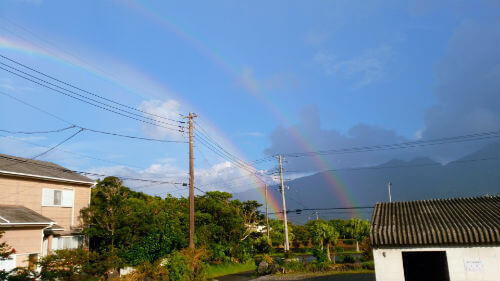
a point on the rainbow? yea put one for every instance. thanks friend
(339, 189)
(66, 59)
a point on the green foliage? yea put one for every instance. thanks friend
(77, 264)
(294, 266)
(262, 245)
(357, 229)
(320, 255)
(347, 259)
(132, 228)
(300, 236)
(368, 265)
(367, 250)
(19, 274)
(277, 232)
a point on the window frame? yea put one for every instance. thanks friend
(64, 192)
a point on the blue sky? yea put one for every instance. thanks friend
(344, 73)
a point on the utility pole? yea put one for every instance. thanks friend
(191, 181)
(267, 214)
(317, 217)
(389, 187)
(287, 245)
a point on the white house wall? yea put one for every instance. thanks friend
(464, 263)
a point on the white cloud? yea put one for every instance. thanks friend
(364, 69)
(167, 109)
(223, 176)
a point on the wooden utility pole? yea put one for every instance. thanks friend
(191, 181)
(267, 214)
(287, 245)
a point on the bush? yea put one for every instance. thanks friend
(70, 265)
(294, 266)
(319, 266)
(347, 259)
(367, 250)
(18, 274)
(192, 260)
(320, 255)
(339, 249)
(262, 245)
(368, 265)
(148, 271)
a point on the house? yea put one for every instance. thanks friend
(443, 239)
(40, 204)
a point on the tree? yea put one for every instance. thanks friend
(323, 234)
(358, 230)
(277, 232)
(5, 250)
(301, 236)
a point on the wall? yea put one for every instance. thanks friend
(24, 240)
(28, 193)
(390, 267)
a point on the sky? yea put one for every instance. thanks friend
(264, 77)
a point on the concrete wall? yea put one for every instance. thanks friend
(28, 193)
(464, 263)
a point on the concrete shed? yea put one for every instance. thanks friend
(444, 239)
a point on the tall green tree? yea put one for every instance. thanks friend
(324, 235)
(358, 230)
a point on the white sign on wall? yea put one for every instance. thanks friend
(473, 265)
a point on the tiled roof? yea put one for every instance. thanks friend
(459, 221)
(15, 214)
(13, 164)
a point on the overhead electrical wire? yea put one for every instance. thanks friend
(77, 126)
(411, 144)
(95, 103)
(89, 173)
(87, 92)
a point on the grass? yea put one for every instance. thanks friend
(216, 270)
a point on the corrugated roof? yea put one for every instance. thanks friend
(21, 165)
(15, 214)
(458, 221)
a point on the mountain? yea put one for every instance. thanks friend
(476, 174)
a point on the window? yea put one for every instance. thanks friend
(67, 242)
(57, 197)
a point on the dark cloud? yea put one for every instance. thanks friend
(468, 84)
(467, 91)
(308, 135)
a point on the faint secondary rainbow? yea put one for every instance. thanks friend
(338, 187)
(66, 59)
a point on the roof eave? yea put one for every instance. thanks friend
(90, 183)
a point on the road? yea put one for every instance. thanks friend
(247, 276)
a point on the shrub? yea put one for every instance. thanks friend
(339, 249)
(148, 271)
(70, 265)
(347, 259)
(294, 266)
(368, 265)
(319, 266)
(18, 274)
(262, 245)
(367, 250)
(320, 255)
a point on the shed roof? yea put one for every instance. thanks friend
(36, 168)
(458, 221)
(15, 214)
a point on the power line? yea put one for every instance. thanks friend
(320, 209)
(412, 144)
(99, 104)
(87, 92)
(88, 173)
(78, 126)
(38, 132)
(60, 143)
